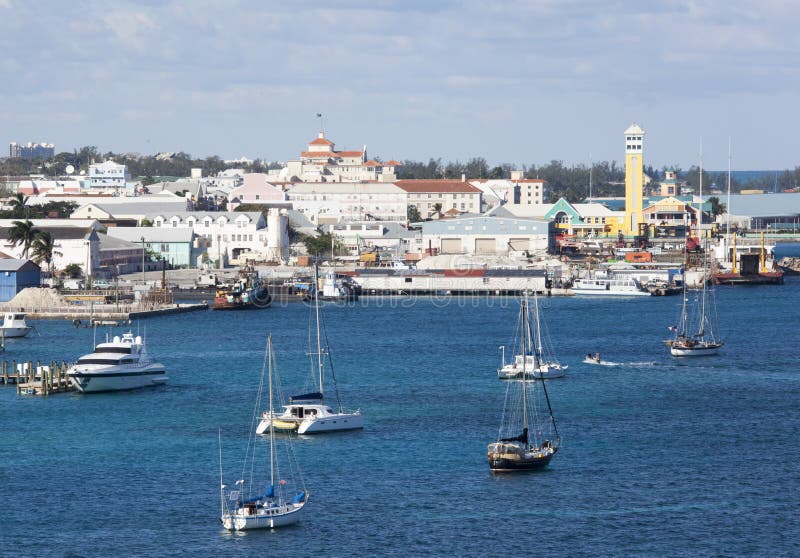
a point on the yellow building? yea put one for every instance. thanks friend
(634, 179)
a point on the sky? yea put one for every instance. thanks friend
(518, 82)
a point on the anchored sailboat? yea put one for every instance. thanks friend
(696, 332)
(268, 501)
(528, 437)
(308, 413)
(533, 360)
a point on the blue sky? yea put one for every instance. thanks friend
(515, 82)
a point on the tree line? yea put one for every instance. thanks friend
(175, 164)
(570, 182)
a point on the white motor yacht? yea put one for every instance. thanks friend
(14, 325)
(119, 364)
(603, 286)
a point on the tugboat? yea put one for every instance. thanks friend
(247, 292)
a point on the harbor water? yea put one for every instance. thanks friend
(661, 456)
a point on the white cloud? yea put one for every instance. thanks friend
(130, 27)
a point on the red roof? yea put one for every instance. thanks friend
(320, 141)
(438, 186)
(393, 163)
(372, 163)
(316, 154)
(329, 154)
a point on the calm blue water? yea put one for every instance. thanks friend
(786, 250)
(661, 457)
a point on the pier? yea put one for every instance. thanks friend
(105, 312)
(36, 380)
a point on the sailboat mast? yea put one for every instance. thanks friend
(701, 325)
(728, 209)
(272, 417)
(525, 318)
(537, 350)
(221, 486)
(320, 361)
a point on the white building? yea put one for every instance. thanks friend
(320, 162)
(108, 175)
(75, 242)
(232, 236)
(330, 203)
(132, 212)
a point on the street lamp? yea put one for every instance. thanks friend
(143, 280)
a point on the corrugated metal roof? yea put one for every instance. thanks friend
(12, 264)
(763, 205)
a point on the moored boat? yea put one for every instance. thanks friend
(270, 498)
(246, 293)
(14, 325)
(528, 437)
(536, 359)
(119, 364)
(308, 413)
(602, 285)
(696, 332)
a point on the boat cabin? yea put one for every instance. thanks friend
(13, 319)
(300, 411)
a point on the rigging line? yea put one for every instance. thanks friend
(256, 407)
(330, 360)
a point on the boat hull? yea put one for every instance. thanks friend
(610, 292)
(704, 349)
(510, 462)
(542, 373)
(240, 520)
(331, 423)
(12, 332)
(280, 425)
(763, 278)
(104, 380)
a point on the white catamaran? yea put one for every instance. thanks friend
(528, 437)
(308, 413)
(264, 499)
(534, 360)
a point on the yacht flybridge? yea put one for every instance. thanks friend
(119, 364)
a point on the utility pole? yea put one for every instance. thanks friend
(143, 279)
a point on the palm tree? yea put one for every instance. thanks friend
(18, 204)
(43, 249)
(717, 207)
(22, 232)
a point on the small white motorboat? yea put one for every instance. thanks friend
(14, 325)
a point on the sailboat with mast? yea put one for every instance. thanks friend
(528, 437)
(697, 331)
(270, 500)
(309, 413)
(535, 360)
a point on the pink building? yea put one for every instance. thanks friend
(256, 189)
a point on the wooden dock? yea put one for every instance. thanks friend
(36, 379)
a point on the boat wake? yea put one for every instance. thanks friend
(611, 363)
(602, 362)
